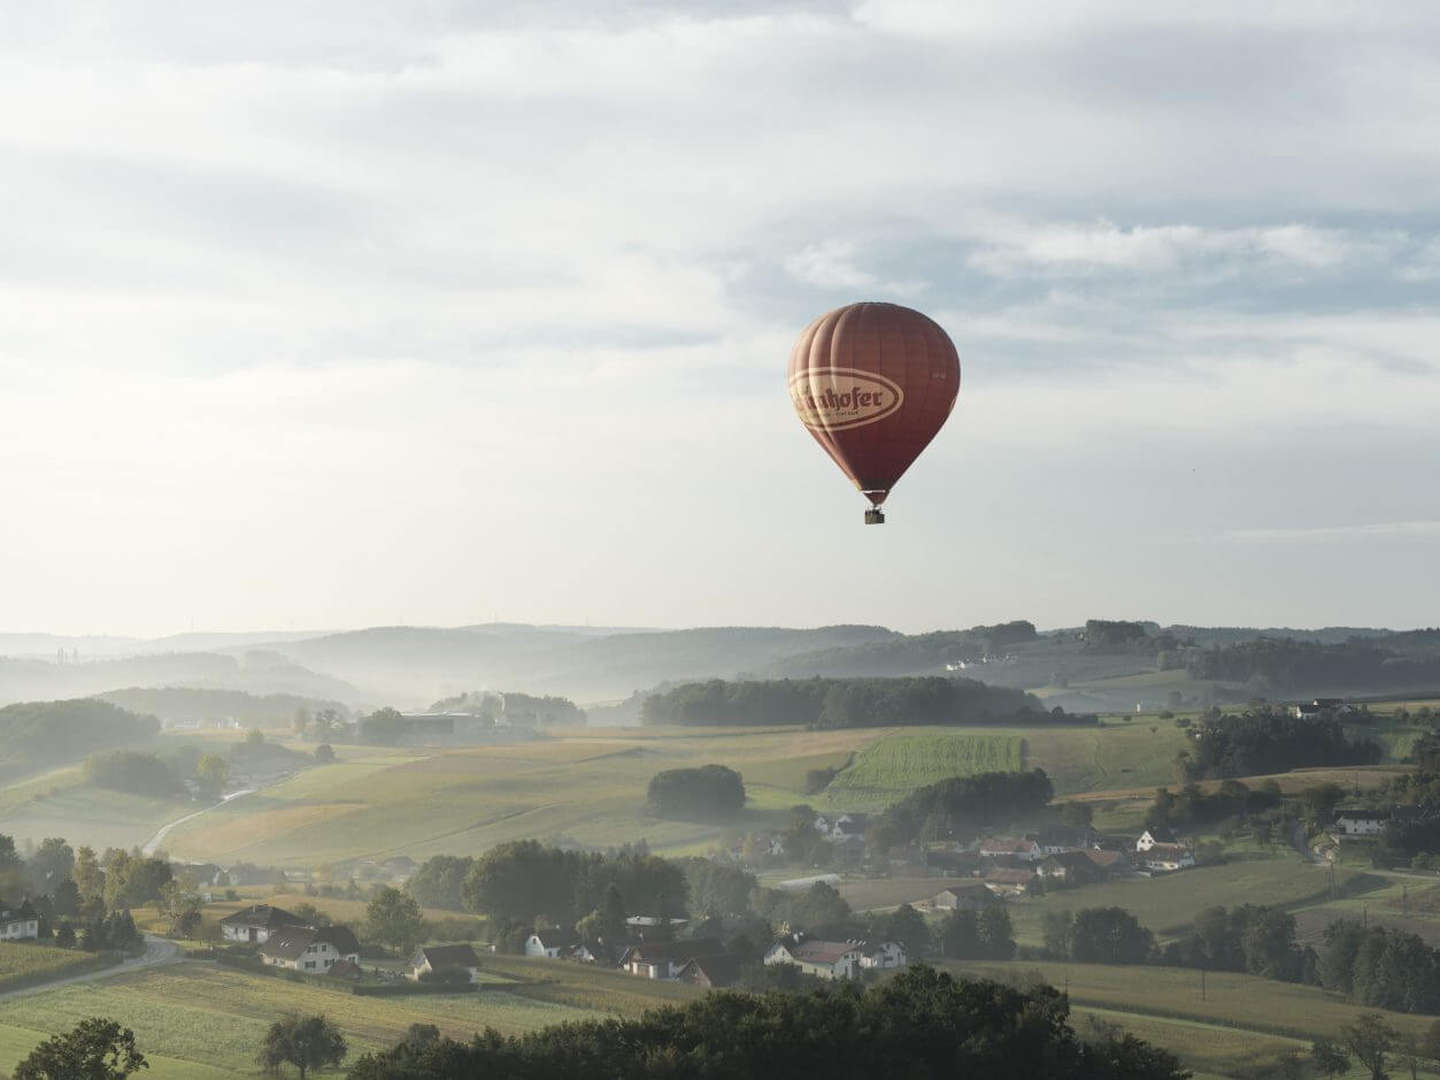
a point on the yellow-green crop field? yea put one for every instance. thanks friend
(22, 964)
(889, 769)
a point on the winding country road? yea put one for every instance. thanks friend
(158, 951)
(152, 845)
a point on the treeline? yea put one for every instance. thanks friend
(1388, 969)
(921, 1023)
(188, 704)
(1269, 741)
(515, 708)
(844, 703)
(1289, 666)
(140, 772)
(41, 732)
(905, 655)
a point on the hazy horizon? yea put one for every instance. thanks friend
(357, 315)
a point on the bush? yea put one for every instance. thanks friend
(709, 793)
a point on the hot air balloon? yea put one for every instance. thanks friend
(874, 383)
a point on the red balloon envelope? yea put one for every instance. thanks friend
(874, 383)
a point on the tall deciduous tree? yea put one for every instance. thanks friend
(309, 1042)
(1370, 1038)
(394, 918)
(97, 1049)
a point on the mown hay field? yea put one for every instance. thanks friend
(887, 770)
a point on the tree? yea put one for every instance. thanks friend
(1370, 1038)
(51, 864)
(96, 1049)
(1109, 935)
(997, 936)
(394, 918)
(88, 876)
(212, 774)
(310, 1042)
(324, 753)
(908, 927)
(1329, 1058)
(182, 907)
(960, 936)
(254, 737)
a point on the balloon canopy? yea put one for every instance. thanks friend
(874, 383)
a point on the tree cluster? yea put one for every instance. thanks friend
(904, 654)
(1388, 969)
(1290, 666)
(1251, 938)
(983, 799)
(1271, 741)
(36, 732)
(1103, 935)
(921, 1023)
(707, 793)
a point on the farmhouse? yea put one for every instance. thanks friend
(1165, 857)
(1017, 847)
(827, 959)
(256, 923)
(308, 948)
(19, 922)
(885, 956)
(665, 960)
(430, 958)
(1361, 822)
(720, 970)
(1152, 836)
(1058, 839)
(551, 944)
(1110, 862)
(963, 898)
(1072, 867)
(1005, 881)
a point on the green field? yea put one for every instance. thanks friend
(888, 770)
(208, 1021)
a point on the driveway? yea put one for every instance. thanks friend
(158, 951)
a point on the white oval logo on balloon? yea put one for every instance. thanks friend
(831, 399)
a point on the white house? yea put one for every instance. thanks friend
(665, 959)
(551, 944)
(256, 923)
(883, 957)
(827, 959)
(19, 923)
(969, 897)
(308, 948)
(1059, 839)
(432, 958)
(1361, 822)
(1150, 837)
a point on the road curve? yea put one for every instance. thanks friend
(158, 951)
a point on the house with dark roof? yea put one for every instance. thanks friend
(430, 958)
(1156, 834)
(711, 972)
(1058, 839)
(1008, 881)
(256, 923)
(1017, 847)
(881, 956)
(1167, 857)
(20, 922)
(310, 948)
(1072, 867)
(665, 959)
(551, 944)
(967, 897)
(1361, 822)
(826, 959)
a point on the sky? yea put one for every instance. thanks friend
(332, 314)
